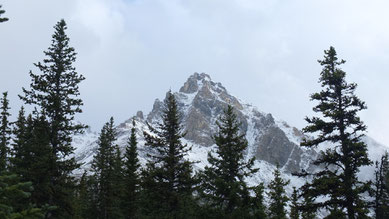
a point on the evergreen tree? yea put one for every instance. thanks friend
(259, 208)
(277, 195)
(82, 200)
(340, 126)
(37, 160)
(87, 198)
(19, 140)
(118, 184)
(5, 133)
(381, 188)
(32, 155)
(224, 188)
(294, 212)
(14, 198)
(55, 92)
(103, 166)
(2, 19)
(309, 211)
(131, 176)
(167, 181)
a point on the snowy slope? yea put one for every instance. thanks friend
(201, 101)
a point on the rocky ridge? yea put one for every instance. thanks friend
(201, 101)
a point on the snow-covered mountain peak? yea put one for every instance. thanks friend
(195, 82)
(201, 102)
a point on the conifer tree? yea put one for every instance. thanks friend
(5, 133)
(277, 195)
(14, 198)
(88, 194)
(36, 163)
(82, 200)
(340, 126)
(103, 166)
(2, 19)
(259, 208)
(118, 183)
(168, 183)
(131, 176)
(19, 139)
(32, 156)
(309, 211)
(23, 143)
(224, 188)
(55, 93)
(381, 188)
(294, 212)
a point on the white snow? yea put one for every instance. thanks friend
(86, 144)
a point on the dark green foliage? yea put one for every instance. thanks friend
(309, 211)
(294, 206)
(118, 184)
(2, 19)
(19, 142)
(259, 208)
(5, 133)
(381, 188)
(277, 195)
(36, 157)
(340, 126)
(32, 156)
(82, 198)
(55, 92)
(14, 199)
(131, 176)
(86, 198)
(224, 189)
(104, 167)
(167, 180)
(335, 213)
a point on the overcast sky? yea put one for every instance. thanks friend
(264, 52)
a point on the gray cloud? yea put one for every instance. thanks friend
(264, 51)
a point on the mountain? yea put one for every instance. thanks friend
(201, 101)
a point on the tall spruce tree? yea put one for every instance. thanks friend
(381, 188)
(340, 126)
(2, 19)
(32, 156)
(277, 195)
(223, 182)
(5, 133)
(168, 183)
(37, 160)
(131, 176)
(103, 166)
(259, 207)
(118, 183)
(18, 141)
(294, 205)
(83, 200)
(55, 92)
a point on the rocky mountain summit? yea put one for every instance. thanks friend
(201, 101)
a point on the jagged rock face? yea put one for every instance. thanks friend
(202, 102)
(275, 147)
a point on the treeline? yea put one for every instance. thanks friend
(37, 163)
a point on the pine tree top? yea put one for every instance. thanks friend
(56, 89)
(5, 132)
(338, 124)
